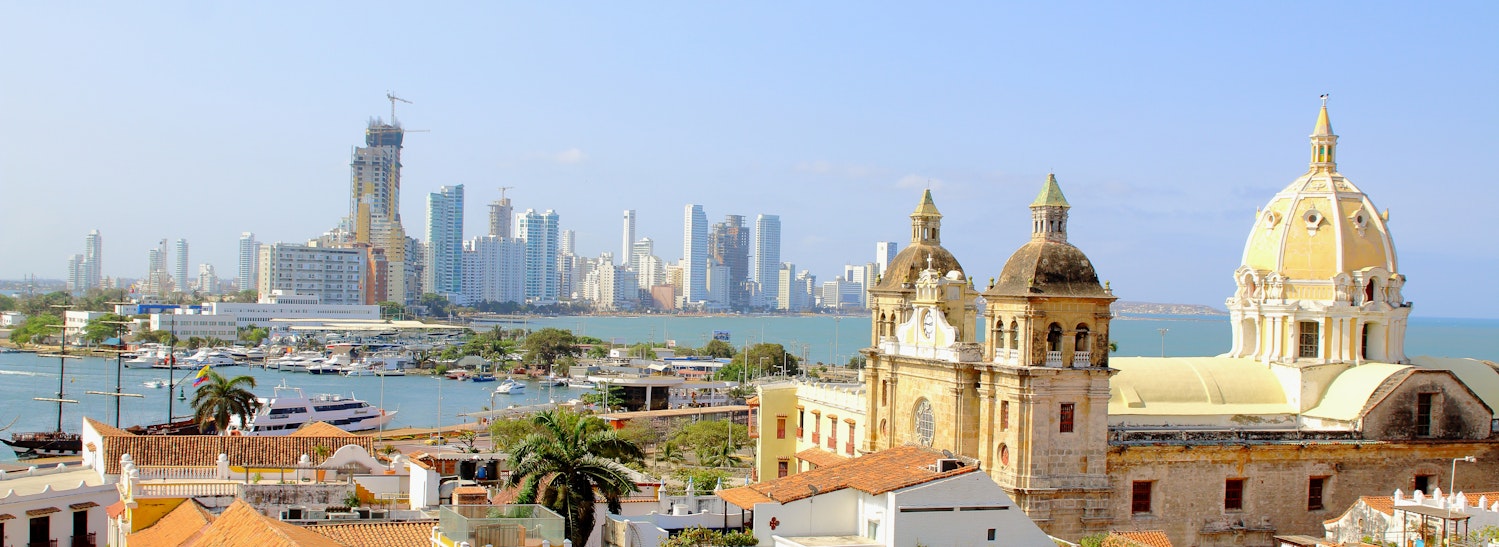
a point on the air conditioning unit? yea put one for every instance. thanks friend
(948, 464)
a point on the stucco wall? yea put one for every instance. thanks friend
(1456, 412)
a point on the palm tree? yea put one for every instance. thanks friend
(567, 463)
(220, 398)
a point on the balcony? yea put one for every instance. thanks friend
(1082, 359)
(86, 540)
(44, 543)
(1054, 359)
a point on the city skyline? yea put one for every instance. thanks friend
(1168, 126)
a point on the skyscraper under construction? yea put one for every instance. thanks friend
(375, 210)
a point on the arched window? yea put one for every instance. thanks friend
(1014, 335)
(1082, 338)
(1054, 337)
(925, 423)
(999, 333)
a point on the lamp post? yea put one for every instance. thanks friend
(1163, 341)
(1452, 477)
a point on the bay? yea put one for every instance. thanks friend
(416, 398)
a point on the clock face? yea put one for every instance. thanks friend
(928, 324)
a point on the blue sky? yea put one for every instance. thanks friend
(1167, 124)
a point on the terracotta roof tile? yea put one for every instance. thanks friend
(114, 510)
(379, 534)
(204, 450)
(876, 473)
(42, 511)
(241, 524)
(107, 430)
(320, 429)
(1383, 504)
(84, 505)
(176, 527)
(1137, 538)
(820, 457)
(6, 516)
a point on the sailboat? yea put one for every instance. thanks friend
(49, 443)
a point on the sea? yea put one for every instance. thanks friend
(422, 401)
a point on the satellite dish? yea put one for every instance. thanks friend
(948, 454)
(813, 488)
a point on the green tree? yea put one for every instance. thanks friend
(717, 349)
(764, 359)
(703, 537)
(220, 398)
(598, 352)
(703, 480)
(36, 329)
(105, 327)
(392, 310)
(548, 344)
(247, 296)
(437, 305)
(253, 335)
(508, 432)
(711, 439)
(7, 302)
(669, 452)
(43, 304)
(566, 461)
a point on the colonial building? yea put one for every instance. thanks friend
(1315, 403)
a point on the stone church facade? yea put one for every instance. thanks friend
(1315, 405)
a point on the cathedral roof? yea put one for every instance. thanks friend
(926, 242)
(1051, 268)
(1321, 225)
(1051, 194)
(1188, 386)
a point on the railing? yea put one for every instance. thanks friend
(86, 540)
(188, 489)
(175, 472)
(46, 543)
(1053, 358)
(1082, 359)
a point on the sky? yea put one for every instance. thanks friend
(1168, 124)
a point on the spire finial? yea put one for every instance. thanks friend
(929, 261)
(1324, 142)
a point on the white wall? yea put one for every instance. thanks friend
(975, 491)
(834, 513)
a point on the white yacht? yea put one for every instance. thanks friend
(146, 357)
(209, 357)
(289, 409)
(510, 387)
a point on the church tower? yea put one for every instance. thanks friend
(1043, 385)
(1319, 284)
(891, 297)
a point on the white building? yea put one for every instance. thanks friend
(900, 497)
(54, 505)
(767, 258)
(276, 305)
(540, 233)
(179, 274)
(186, 325)
(884, 253)
(629, 237)
(208, 279)
(335, 276)
(249, 261)
(73, 323)
(694, 254)
(443, 272)
(494, 270)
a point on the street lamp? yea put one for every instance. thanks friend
(1452, 477)
(1163, 341)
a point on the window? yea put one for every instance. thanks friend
(1309, 338)
(1054, 338)
(816, 426)
(1314, 493)
(1423, 414)
(801, 420)
(780, 427)
(833, 432)
(848, 446)
(1004, 415)
(1064, 418)
(925, 423)
(1423, 483)
(991, 534)
(1139, 497)
(1233, 495)
(783, 467)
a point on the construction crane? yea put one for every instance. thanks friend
(503, 189)
(393, 98)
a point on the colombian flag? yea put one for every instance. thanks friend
(202, 376)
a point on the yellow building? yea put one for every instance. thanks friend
(1315, 404)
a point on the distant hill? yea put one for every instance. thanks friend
(1134, 308)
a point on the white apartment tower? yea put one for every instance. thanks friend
(884, 252)
(180, 277)
(334, 275)
(629, 237)
(208, 279)
(494, 270)
(694, 254)
(93, 251)
(540, 233)
(444, 267)
(501, 215)
(249, 261)
(767, 267)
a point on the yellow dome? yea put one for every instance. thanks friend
(1321, 225)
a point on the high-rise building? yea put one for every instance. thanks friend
(694, 254)
(76, 274)
(334, 275)
(540, 232)
(375, 208)
(629, 238)
(571, 268)
(494, 270)
(93, 251)
(180, 277)
(768, 259)
(443, 271)
(501, 215)
(249, 261)
(884, 252)
(208, 279)
(157, 282)
(729, 246)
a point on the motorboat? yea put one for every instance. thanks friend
(146, 357)
(157, 383)
(207, 357)
(553, 381)
(324, 367)
(579, 383)
(510, 387)
(289, 409)
(481, 377)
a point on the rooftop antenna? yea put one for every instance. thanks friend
(393, 98)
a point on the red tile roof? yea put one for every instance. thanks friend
(320, 429)
(876, 473)
(1137, 538)
(379, 534)
(176, 527)
(820, 457)
(241, 524)
(204, 450)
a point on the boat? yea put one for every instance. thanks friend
(44, 443)
(482, 377)
(146, 357)
(289, 409)
(324, 367)
(207, 357)
(157, 383)
(390, 372)
(552, 380)
(360, 368)
(510, 387)
(577, 383)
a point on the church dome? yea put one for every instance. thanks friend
(1048, 264)
(926, 242)
(1321, 225)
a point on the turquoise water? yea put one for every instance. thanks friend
(819, 338)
